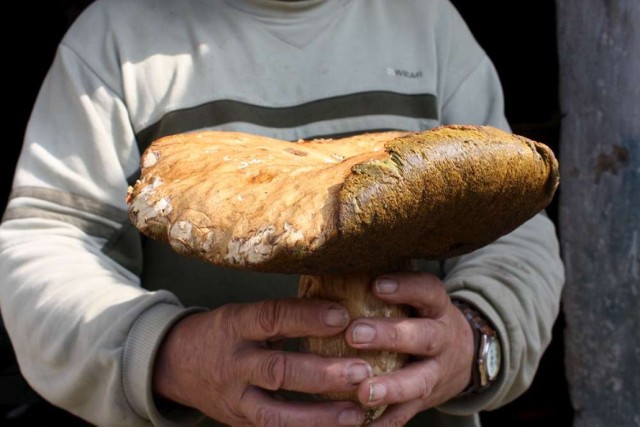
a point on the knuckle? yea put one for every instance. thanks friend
(424, 387)
(268, 417)
(429, 341)
(429, 347)
(228, 319)
(395, 336)
(267, 317)
(237, 416)
(273, 370)
(404, 337)
(399, 395)
(224, 316)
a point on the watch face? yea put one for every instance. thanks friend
(493, 359)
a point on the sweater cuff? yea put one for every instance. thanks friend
(139, 355)
(475, 402)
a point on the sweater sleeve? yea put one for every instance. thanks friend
(83, 329)
(516, 281)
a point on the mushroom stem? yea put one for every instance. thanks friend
(353, 291)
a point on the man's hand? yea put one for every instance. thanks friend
(439, 338)
(220, 363)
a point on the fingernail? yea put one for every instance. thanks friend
(336, 317)
(377, 392)
(363, 334)
(358, 372)
(384, 285)
(350, 417)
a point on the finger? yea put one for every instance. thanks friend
(307, 373)
(293, 317)
(263, 410)
(399, 415)
(419, 337)
(423, 291)
(415, 381)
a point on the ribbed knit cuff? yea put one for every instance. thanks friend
(140, 349)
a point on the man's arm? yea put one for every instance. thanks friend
(68, 306)
(514, 282)
(87, 335)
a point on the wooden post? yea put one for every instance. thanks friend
(599, 57)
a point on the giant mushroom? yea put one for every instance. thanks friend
(340, 211)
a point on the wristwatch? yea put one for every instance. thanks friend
(488, 353)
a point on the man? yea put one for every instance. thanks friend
(125, 336)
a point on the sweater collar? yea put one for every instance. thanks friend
(286, 10)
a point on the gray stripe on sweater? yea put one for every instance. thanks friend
(89, 227)
(70, 200)
(123, 243)
(218, 112)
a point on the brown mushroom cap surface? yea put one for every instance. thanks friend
(344, 205)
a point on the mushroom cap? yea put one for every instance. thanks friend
(344, 205)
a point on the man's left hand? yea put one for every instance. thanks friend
(439, 338)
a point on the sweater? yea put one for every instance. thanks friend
(87, 301)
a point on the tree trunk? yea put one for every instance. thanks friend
(599, 57)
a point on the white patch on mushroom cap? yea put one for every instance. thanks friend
(253, 250)
(150, 189)
(181, 231)
(209, 241)
(144, 209)
(291, 235)
(261, 246)
(150, 159)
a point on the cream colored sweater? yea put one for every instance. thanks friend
(86, 303)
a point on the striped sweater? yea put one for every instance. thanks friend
(86, 301)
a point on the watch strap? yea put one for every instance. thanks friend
(480, 327)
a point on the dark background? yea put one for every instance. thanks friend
(520, 37)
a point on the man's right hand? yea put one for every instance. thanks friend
(219, 362)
